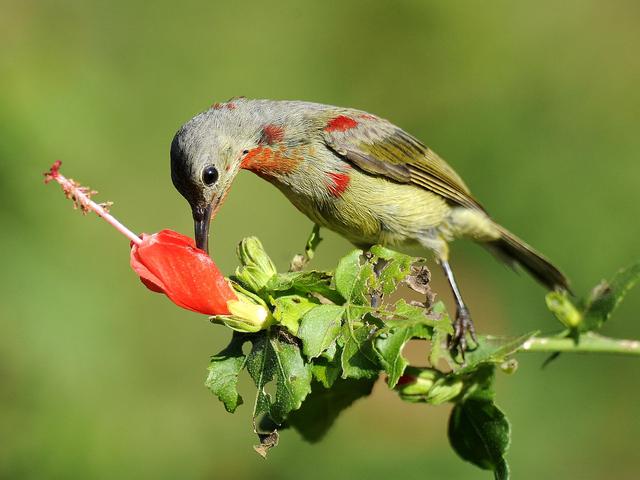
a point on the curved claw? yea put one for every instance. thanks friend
(462, 325)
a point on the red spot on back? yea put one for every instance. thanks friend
(340, 124)
(228, 106)
(271, 134)
(339, 183)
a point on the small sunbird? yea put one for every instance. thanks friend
(349, 171)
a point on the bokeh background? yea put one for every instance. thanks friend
(536, 104)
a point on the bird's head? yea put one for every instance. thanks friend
(206, 154)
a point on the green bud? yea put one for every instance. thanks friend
(415, 383)
(509, 366)
(444, 390)
(256, 268)
(249, 314)
(563, 309)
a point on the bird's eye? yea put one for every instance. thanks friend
(210, 175)
(244, 152)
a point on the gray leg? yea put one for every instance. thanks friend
(463, 323)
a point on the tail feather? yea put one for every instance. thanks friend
(514, 250)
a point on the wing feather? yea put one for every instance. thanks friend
(380, 148)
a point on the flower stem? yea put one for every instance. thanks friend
(81, 197)
(587, 343)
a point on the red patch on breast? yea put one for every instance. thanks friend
(340, 124)
(338, 183)
(272, 134)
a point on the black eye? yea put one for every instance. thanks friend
(244, 152)
(210, 175)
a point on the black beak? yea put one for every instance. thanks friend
(201, 221)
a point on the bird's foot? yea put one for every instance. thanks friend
(462, 328)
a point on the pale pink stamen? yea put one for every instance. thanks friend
(81, 197)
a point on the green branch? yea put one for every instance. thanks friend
(587, 343)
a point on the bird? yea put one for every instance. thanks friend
(351, 172)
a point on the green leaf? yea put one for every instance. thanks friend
(606, 297)
(480, 433)
(354, 278)
(311, 281)
(319, 328)
(390, 342)
(389, 347)
(323, 406)
(223, 369)
(326, 371)
(358, 357)
(439, 337)
(492, 350)
(392, 268)
(289, 310)
(275, 357)
(405, 313)
(347, 273)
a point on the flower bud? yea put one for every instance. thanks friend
(563, 309)
(256, 267)
(415, 384)
(444, 390)
(247, 314)
(428, 385)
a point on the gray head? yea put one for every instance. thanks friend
(206, 154)
(208, 150)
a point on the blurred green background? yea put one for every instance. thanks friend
(536, 104)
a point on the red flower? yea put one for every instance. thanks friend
(169, 262)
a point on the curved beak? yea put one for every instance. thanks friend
(201, 221)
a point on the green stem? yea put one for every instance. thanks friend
(586, 343)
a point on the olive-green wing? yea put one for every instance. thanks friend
(378, 147)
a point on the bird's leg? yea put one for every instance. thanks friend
(462, 323)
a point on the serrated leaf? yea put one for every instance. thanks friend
(389, 345)
(347, 273)
(358, 357)
(389, 349)
(319, 328)
(439, 337)
(492, 350)
(223, 369)
(606, 297)
(394, 268)
(404, 313)
(324, 405)
(480, 433)
(353, 278)
(289, 310)
(311, 281)
(326, 371)
(276, 357)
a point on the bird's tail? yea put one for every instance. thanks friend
(513, 250)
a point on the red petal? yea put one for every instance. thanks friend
(149, 279)
(170, 262)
